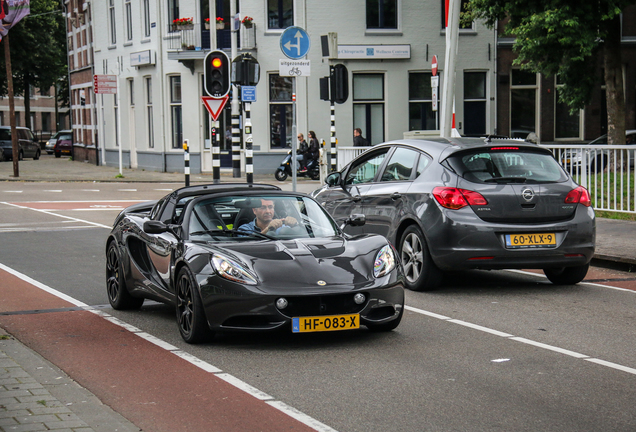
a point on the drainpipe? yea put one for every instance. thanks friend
(159, 53)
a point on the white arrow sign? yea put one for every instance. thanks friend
(298, 36)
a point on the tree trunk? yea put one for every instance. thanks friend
(27, 104)
(614, 89)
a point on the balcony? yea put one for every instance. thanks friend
(190, 41)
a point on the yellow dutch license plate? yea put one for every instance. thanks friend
(514, 241)
(325, 323)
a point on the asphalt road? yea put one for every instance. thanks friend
(494, 350)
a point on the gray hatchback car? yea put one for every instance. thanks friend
(467, 203)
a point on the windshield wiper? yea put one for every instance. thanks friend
(506, 180)
(233, 231)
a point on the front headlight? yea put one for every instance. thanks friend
(384, 262)
(232, 270)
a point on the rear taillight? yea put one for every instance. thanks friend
(454, 198)
(580, 195)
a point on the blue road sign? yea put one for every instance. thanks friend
(248, 93)
(295, 43)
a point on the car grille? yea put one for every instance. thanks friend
(321, 305)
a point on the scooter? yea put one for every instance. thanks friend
(285, 170)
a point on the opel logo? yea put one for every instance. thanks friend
(527, 194)
(322, 283)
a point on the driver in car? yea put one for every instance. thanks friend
(264, 221)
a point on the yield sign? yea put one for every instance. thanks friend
(214, 105)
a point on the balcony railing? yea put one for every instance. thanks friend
(197, 37)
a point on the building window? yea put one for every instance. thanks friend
(474, 103)
(46, 121)
(280, 111)
(149, 116)
(368, 106)
(421, 114)
(131, 91)
(469, 26)
(382, 14)
(175, 112)
(566, 124)
(112, 21)
(146, 18)
(129, 27)
(523, 103)
(45, 91)
(173, 12)
(280, 14)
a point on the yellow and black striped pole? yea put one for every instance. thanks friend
(186, 160)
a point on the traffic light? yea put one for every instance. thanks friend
(339, 83)
(245, 70)
(217, 74)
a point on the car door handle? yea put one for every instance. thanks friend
(396, 195)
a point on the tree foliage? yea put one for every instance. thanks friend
(38, 51)
(560, 37)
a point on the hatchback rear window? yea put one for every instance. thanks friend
(507, 166)
(67, 137)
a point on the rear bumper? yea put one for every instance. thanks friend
(467, 242)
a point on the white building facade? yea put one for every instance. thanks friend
(386, 45)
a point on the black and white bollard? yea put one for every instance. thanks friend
(216, 153)
(186, 161)
(334, 162)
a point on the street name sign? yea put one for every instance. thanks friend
(105, 84)
(248, 93)
(294, 42)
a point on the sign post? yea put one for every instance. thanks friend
(434, 82)
(295, 44)
(108, 84)
(215, 107)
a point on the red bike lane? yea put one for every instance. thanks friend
(147, 384)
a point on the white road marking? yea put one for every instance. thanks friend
(523, 340)
(586, 283)
(230, 379)
(59, 215)
(53, 190)
(90, 190)
(127, 190)
(13, 191)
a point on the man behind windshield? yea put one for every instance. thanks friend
(264, 221)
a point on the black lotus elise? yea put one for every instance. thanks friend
(251, 257)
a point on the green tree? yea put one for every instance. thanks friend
(38, 53)
(565, 37)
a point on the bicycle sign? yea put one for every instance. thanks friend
(293, 68)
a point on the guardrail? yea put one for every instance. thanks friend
(606, 171)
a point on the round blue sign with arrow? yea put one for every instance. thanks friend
(295, 43)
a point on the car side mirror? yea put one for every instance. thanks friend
(355, 220)
(155, 227)
(333, 179)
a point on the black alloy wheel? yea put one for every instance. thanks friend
(598, 165)
(191, 319)
(37, 155)
(420, 271)
(21, 155)
(118, 295)
(280, 175)
(58, 154)
(566, 275)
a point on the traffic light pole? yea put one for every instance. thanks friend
(334, 154)
(216, 153)
(249, 167)
(236, 132)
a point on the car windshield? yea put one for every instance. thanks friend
(511, 165)
(67, 137)
(236, 218)
(5, 134)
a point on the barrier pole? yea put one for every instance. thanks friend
(186, 160)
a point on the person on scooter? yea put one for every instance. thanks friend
(302, 149)
(314, 151)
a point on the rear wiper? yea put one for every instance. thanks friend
(506, 180)
(233, 231)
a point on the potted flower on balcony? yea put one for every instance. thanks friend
(247, 22)
(182, 24)
(220, 25)
(207, 23)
